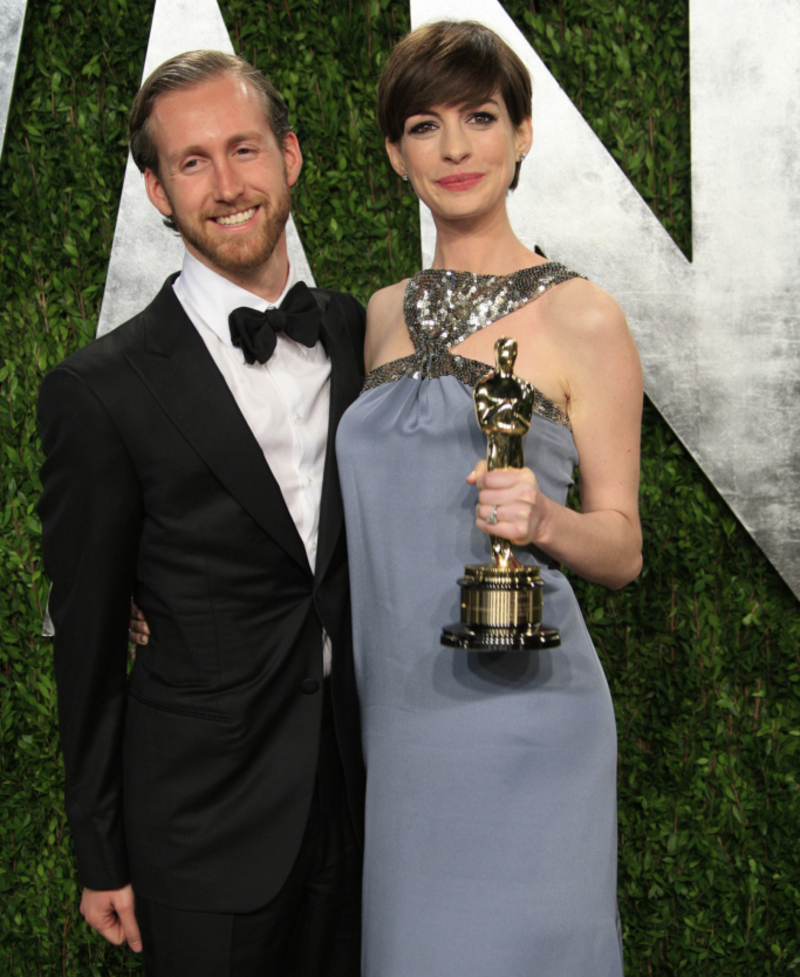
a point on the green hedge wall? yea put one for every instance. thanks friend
(701, 652)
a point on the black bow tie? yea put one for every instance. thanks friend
(254, 332)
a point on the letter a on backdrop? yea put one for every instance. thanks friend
(144, 251)
(719, 336)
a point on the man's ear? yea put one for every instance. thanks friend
(156, 193)
(292, 158)
(395, 157)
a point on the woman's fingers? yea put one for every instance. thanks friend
(137, 626)
(508, 486)
(476, 472)
(510, 522)
(508, 502)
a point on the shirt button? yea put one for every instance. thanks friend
(311, 481)
(298, 417)
(309, 686)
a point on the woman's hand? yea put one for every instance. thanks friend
(513, 495)
(138, 631)
(588, 347)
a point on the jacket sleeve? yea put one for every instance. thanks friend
(355, 318)
(90, 509)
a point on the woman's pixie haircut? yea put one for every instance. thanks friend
(451, 63)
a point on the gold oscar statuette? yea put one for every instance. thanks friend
(501, 602)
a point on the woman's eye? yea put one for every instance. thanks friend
(483, 118)
(421, 127)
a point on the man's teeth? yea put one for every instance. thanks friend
(233, 219)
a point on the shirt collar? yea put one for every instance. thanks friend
(215, 297)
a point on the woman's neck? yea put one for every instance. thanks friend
(482, 246)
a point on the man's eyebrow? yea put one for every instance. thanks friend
(197, 150)
(246, 137)
(188, 151)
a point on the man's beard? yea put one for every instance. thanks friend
(238, 256)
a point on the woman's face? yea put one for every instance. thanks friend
(460, 159)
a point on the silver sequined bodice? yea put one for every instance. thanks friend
(442, 308)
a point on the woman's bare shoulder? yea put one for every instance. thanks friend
(384, 323)
(586, 311)
(598, 353)
(386, 301)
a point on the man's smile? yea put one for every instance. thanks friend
(234, 220)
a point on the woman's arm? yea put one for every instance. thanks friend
(603, 381)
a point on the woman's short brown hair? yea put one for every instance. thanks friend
(451, 63)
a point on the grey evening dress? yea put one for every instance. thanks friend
(491, 780)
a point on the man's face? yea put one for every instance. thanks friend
(223, 177)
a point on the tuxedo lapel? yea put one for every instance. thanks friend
(345, 385)
(182, 376)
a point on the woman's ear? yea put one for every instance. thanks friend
(395, 157)
(524, 137)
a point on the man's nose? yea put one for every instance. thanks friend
(228, 180)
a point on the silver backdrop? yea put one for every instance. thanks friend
(12, 17)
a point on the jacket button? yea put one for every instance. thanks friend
(309, 686)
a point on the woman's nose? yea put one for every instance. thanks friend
(455, 143)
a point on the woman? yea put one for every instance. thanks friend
(491, 800)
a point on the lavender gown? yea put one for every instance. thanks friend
(491, 780)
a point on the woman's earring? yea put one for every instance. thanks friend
(405, 178)
(522, 156)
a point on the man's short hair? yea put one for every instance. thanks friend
(451, 63)
(186, 71)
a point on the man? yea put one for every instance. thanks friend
(190, 462)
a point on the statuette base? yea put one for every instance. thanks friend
(501, 610)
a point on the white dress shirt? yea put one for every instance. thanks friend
(285, 401)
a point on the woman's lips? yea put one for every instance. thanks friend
(460, 181)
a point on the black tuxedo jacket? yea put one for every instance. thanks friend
(191, 777)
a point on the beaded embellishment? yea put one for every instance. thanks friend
(442, 308)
